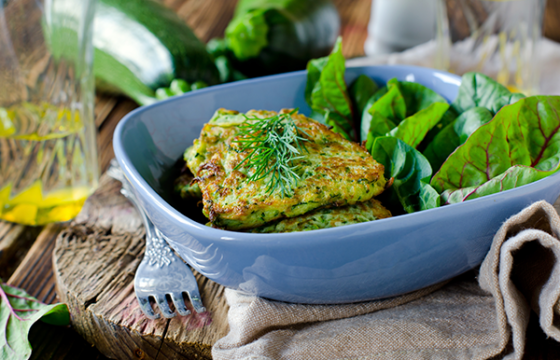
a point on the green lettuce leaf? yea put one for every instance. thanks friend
(478, 90)
(246, 35)
(513, 177)
(410, 172)
(361, 90)
(366, 116)
(391, 105)
(314, 69)
(18, 312)
(327, 95)
(525, 133)
(405, 110)
(455, 134)
(414, 128)
(417, 97)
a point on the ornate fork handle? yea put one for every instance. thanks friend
(160, 273)
(157, 251)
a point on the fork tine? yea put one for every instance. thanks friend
(194, 296)
(180, 304)
(164, 306)
(147, 308)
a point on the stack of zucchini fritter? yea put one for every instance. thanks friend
(336, 179)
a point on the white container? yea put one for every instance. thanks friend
(396, 25)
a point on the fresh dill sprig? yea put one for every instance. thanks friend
(274, 143)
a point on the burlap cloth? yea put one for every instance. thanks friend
(461, 319)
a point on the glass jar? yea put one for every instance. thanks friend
(398, 25)
(498, 38)
(48, 151)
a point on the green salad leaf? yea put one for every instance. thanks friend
(478, 90)
(246, 35)
(361, 90)
(525, 133)
(314, 69)
(366, 115)
(414, 128)
(406, 111)
(18, 312)
(417, 97)
(513, 177)
(410, 171)
(476, 93)
(455, 134)
(327, 95)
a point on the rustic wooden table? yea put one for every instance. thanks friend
(26, 252)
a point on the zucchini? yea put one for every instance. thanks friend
(273, 36)
(139, 46)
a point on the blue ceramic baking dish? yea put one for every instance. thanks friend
(352, 263)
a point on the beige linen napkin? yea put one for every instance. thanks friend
(457, 320)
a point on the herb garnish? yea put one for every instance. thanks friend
(275, 143)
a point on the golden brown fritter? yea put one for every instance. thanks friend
(327, 218)
(333, 172)
(187, 188)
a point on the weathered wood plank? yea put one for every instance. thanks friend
(15, 241)
(552, 20)
(95, 259)
(105, 136)
(34, 274)
(208, 19)
(104, 104)
(354, 16)
(9, 235)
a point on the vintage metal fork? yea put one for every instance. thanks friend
(160, 272)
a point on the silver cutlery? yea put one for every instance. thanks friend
(161, 273)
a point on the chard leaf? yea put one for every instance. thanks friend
(525, 133)
(246, 35)
(478, 90)
(387, 104)
(366, 116)
(328, 95)
(385, 113)
(414, 128)
(405, 104)
(361, 90)
(410, 172)
(513, 177)
(429, 197)
(18, 312)
(314, 69)
(417, 97)
(455, 134)
(469, 121)
(391, 105)
(380, 126)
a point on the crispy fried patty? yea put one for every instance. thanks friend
(333, 172)
(327, 218)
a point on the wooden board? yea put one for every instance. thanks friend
(94, 262)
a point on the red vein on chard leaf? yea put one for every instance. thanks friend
(15, 324)
(547, 139)
(521, 144)
(4, 297)
(21, 297)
